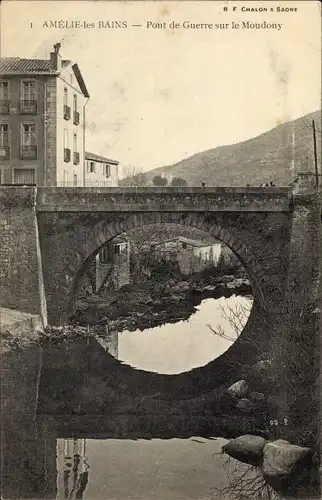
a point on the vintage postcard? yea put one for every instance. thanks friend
(160, 249)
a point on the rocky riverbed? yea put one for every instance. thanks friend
(146, 305)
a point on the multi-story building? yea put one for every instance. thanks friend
(42, 121)
(192, 255)
(112, 266)
(101, 171)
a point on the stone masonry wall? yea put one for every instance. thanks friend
(303, 307)
(21, 283)
(121, 273)
(115, 274)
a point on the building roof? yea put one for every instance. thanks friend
(18, 66)
(15, 65)
(79, 79)
(188, 241)
(195, 243)
(102, 159)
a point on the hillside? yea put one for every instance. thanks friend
(267, 157)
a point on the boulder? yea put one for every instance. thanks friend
(257, 397)
(181, 287)
(263, 366)
(247, 406)
(285, 464)
(238, 389)
(247, 449)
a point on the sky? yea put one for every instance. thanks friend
(160, 95)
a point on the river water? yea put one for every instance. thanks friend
(52, 450)
(179, 347)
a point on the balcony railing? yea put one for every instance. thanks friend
(66, 112)
(28, 152)
(28, 106)
(66, 155)
(4, 152)
(4, 106)
(76, 118)
(76, 159)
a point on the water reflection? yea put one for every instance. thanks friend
(72, 468)
(156, 469)
(70, 430)
(182, 346)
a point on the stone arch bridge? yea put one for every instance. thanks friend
(48, 236)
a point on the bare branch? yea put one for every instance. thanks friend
(236, 317)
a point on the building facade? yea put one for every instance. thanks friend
(192, 255)
(113, 264)
(42, 120)
(109, 268)
(42, 124)
(100, 171)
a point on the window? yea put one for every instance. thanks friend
(75, 180)
(76, 154)
(65, 138)
(104, 254)
(107, 170)
(4, 91)
(184, 245)
(4, 135)
(24, 176)
(91, 167)
(28, 149)
(67, 152)
(116, 249)
(28, 134)
(29, 90)
(28, 101)
(75, 112)
(67, 112)
(65, 96)
(4, 98)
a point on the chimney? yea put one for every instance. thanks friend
(55, 59)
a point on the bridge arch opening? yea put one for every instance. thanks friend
(174, 297)
(108, 232)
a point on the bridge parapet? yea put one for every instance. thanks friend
(146, 199)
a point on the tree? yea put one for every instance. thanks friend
(139, 179)
(158, 180)
(133, 176)
(178, 181)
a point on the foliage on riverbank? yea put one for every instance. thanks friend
(163, 295)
